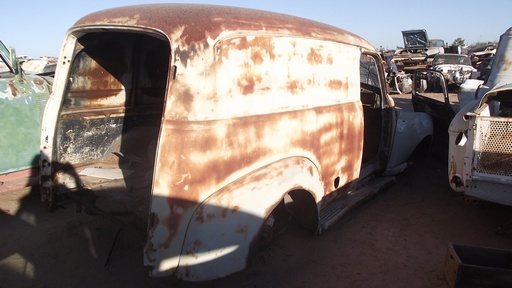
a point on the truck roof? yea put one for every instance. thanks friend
(195, 22)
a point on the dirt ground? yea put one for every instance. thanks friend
(398, 238)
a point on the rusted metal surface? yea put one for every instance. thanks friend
(186, 24)
(287, 107)
(241, 147)
(240, 107)
(219, 236)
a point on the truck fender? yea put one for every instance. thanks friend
(223, 228)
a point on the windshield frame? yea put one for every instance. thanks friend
(5, 63)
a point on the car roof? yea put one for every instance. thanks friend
(195, 22)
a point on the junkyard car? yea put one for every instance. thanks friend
(22, 101)
(226, 121)
(478, 54)
(40, 66)
(484, 68)
(456, 68)
(480, 131)
(418, 50)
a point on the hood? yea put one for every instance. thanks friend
(415, 39)
(501, 72)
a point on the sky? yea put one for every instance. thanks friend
(37, 28)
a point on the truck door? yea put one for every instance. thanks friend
(430, 95)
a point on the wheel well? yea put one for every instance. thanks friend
(298, 205)
(301, 205)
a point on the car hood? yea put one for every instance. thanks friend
(415, 39)
(453, 67)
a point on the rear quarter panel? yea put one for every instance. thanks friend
(274, 98)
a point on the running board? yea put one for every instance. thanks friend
(335, 209)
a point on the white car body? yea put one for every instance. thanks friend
(478, 135)
(480, 153)
(456, 68)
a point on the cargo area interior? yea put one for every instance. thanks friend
(110, 119)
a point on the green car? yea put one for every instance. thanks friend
(22, 101)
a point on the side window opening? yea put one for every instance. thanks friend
(117, 69)
(371, 99)
(369, 70)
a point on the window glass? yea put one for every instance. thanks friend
(369, 70)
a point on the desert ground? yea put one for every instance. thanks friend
(398, 238)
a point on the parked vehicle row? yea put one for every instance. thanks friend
(421, 52)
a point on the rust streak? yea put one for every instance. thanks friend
(314, 57)
(336, 84)
(295, 87)
(14, 90)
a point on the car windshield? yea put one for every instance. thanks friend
(436, 43)
(451, 59)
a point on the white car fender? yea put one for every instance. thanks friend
(457, 146)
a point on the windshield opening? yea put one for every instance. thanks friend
(451, 59)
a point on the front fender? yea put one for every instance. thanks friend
(410, 130)
(224, 226)
(457, 147)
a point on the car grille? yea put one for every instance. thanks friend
(493, 146)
